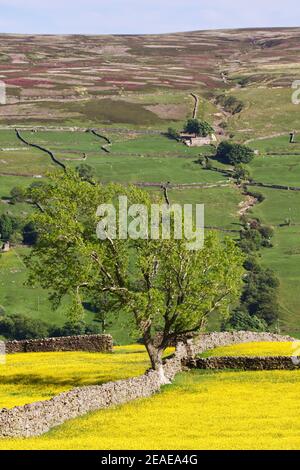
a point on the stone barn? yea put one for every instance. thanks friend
(192, 140)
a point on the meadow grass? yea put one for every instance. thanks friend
(275, 144)
(29, 162)
(267, 348)
(201, 410)
(267, 111)
(29, 377)
(220, 204)
(284, 256)
(157, 144)
(8, 139)
(283, 170)
(133, 169)
(7, 183)
(278, 206)
(15, 297)
(284, 259)
(65, 140)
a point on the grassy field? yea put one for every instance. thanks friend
(275, 144)
(30, 377)
(203, 409)
(283, 257)
(254, 349)
(220, 204)
(157, 159)
(283, 170)
(150, 169)
(267, 111)
(15, 297)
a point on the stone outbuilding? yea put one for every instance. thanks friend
(193, 140)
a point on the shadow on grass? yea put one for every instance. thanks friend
(34, 379)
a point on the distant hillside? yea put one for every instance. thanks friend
(55, 79)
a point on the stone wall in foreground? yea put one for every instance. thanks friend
(37, 418)
(90, 343)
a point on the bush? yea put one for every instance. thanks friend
(240, 173)
(200, 128)
(257, 195)
(21, 327)
(234, 154)
(74, 328)
(173, 134)
(85, 171)
(6, 227)
(260, 294)
(241, 320)
(17, 194)
(266, 232)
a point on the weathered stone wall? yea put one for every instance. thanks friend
(91, 343)
(245, 363)
(37, 418)
(213, 340)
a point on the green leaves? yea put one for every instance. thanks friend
(166, 287)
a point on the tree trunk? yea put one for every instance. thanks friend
(155, 355)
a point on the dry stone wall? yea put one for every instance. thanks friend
(214, 340)
(245, 363)
(91, 343)
(37, 418)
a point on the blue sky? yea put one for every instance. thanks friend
(142, 16)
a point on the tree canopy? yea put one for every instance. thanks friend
(200, 128)
(233, 154)
(168, 289)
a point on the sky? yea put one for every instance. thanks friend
(142, 16)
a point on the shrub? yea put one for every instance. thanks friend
(85, 171)
(241, 320)
(266, 232)
(240, 173)
(234, 154)
(230, 103)
(21, 327)
(6, 227)
(74, 328)
(17, 194)
(173, 134)
(257, 195)
(200, 128)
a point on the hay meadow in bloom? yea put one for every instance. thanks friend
(29, 377)
(266, 348)
(200, 410)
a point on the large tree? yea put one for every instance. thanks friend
(168, 289)
(234, 154)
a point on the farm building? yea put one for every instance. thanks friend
(192, 140)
